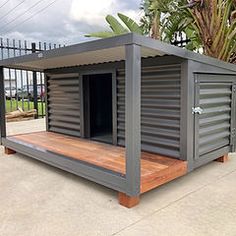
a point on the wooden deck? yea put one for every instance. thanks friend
(155, 169)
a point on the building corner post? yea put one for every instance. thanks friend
(133, 118)
(187, 118)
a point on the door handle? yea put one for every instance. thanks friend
(197, 110)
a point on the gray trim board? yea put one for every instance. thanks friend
(233, 117)
(98, 175)
(211, 157)
(196, 117)
(216, 77)
(71, 50)
(180, 52)
(187, 119)
(200, 67)
(117, 41)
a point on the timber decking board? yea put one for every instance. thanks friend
(155, 169)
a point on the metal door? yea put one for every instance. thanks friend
(214, 115)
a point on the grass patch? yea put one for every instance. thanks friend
(12, 105)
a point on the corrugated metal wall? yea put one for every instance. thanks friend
(215, 123)
(64, 104)
(160, 109)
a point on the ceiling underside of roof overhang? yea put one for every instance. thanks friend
(85, 58)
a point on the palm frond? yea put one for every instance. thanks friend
(130, 23)
(115, 25)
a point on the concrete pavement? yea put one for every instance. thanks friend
(39, 200)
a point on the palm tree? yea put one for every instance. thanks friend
(153, 11)
(209, 24)
(214, 22)
(164, 18)
(124, 25)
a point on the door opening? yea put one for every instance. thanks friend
(100, 107)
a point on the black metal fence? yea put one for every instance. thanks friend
(180, 40)
(24, 89)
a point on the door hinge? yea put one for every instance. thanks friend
(197, 110)
(233, 133)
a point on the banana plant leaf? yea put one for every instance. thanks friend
(130, 23)
(116, 26)
(101, 34)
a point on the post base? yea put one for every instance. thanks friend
(9, 151)
(223, 159)
(128, 201)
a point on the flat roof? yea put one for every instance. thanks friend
(105, 50)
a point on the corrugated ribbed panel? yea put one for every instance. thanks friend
(64, 104)
(160, 109)
(214, 123)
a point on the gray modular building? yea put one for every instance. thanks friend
(129, 112)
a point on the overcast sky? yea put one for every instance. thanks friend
(66, 21)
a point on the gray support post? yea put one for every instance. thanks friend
(187, 119)
(2, 106)
(233, 118)
(132, 118)
(81, 93)
(114, 108)
(35, 87)
(46, 78)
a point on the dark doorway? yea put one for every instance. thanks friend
(100, 107)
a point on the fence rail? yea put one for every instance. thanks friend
(23, 89)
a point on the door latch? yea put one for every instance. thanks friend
(234, 88)
(197, 110)
(233, 132)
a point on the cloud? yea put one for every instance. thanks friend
(133, 14)
(94, 13)
(64, 22)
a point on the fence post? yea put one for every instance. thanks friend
(2, 106)
(35, 89)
